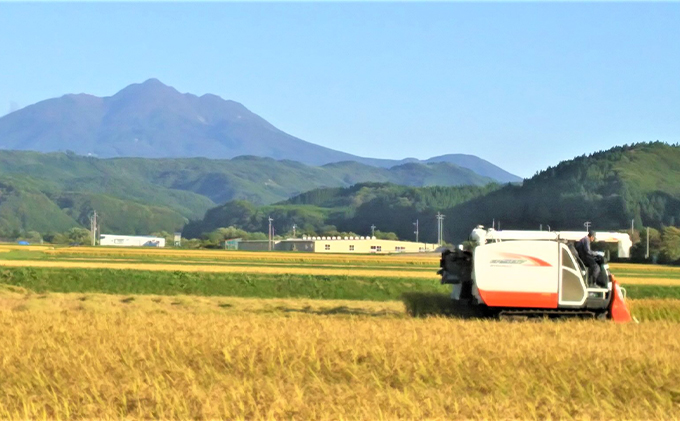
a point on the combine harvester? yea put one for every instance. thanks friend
(522, 274)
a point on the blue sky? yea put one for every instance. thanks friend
(523, 85)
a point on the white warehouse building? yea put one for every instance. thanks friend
(131, 240)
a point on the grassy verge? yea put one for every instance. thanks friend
(215, 284)
(245, 285)
(652, 291)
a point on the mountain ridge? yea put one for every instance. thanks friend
(153, 120)
(167, 192)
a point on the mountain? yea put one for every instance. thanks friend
(477, 165)
(639, 183)
(152, 120)
(140, 196)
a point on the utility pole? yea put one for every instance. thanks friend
(416, 231)
(93, 227)
(587, 224)
(373, 231)
(493, 223)
(632, 228)
(647, 253)
(440, 228)
(294, 226)
(270, 233)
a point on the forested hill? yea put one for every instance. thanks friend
(331, 211)
(640, 182)
(56, 191)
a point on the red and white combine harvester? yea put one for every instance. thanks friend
(534, 273)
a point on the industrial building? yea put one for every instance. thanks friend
(131, 240)
(361, 245)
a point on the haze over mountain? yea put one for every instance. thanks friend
(152, 120)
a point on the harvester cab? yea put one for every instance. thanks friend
(534, 273)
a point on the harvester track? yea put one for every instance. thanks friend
(521, 314)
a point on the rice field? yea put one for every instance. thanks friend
(172, 334)
(146, 363)
(422, 266)
(100, 356)
(258, 256)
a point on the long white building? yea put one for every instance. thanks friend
(131, 240)
(339, 245)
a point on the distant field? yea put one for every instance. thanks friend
(409, 266)
(249, 256)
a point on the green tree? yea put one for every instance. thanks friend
(670, 245)
(386, 235)
(169, 238)
(33, 237)
(639, 250)
(79, 235)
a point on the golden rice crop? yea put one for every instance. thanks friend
(245, 255)
(643, 267)
(633, 280)
(18, 298)
(422, 268)
(8, 247)
(655, 309)
(81, 364)
(216, 268)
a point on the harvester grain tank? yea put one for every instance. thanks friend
(534, 273)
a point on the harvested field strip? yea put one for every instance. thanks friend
(109, 281)
(653, 291)
(425, 273)
(21, 299)
(255, 256)
(244, 285)
(179, 365)
(254, 269)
